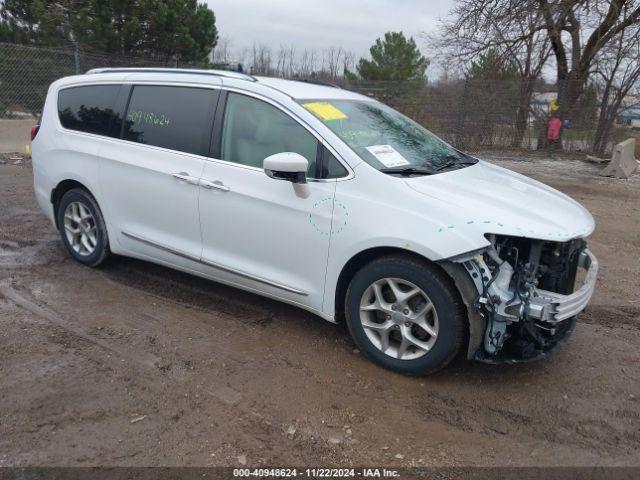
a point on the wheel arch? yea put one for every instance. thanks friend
(454, 274)
(364, 257)
(60, 189)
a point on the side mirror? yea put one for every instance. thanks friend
(288, 166)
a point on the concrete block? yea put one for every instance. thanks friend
(623, 162)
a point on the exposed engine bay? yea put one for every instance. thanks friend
(526, 292)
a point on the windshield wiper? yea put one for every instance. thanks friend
(408, 171)
(453, 162)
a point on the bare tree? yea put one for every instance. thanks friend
(618, 72)
(307, 63)
(291, 65)
(597, 21)
(222, 51)
(333, 62)
(261, 59)
(348, 62)
(514, 29)
(281, 60)
(287, 61)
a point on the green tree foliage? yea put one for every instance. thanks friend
(586, 109)
(491, 98)
(490, 66)
(160, 29)
(113, 26)
(39, 22)
(394, 58)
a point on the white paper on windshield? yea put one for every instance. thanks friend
(388, 156)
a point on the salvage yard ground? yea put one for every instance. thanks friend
(136, 364)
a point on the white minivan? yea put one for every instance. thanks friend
(318, 197)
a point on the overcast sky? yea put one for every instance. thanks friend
(351, 24)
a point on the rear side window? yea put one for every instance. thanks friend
(90, 109)
(177, 118)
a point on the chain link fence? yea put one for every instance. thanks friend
(497, 114)
(472, 114)
(26, 73)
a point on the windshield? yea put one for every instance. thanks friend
(386, 139)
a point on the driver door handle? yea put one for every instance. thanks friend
(217, 185)
(185, 177)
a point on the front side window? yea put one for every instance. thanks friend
(177, 118)
(90, 109)
(254, 130)
(385, 138)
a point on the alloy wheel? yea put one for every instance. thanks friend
(80, 228)
(399, 318)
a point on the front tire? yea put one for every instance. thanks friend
(82, 228)
(405, 315)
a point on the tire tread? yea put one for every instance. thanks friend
(448, 287)
(105, 251)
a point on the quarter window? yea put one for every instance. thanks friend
(90, 109)
(254, 130)
(331, 167)
(177, 118)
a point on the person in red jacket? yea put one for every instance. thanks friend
(554, 127)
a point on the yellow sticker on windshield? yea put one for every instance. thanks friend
(325, 111)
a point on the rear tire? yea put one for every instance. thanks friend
(405, 315)
(82, 228)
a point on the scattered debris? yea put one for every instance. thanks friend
(399, 456)
(335, 440)
(591, 158)
(138, 419)
(242, 459)
(498, 429)
(291, 431)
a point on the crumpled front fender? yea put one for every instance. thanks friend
(469, 293)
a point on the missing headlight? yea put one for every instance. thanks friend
(507, 276)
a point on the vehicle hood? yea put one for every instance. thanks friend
(485, 198)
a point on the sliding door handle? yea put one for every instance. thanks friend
(185, 177)
(215, 185)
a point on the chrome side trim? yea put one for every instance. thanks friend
(185, 177)
(350, 171)
(214, 265)
(216, 184)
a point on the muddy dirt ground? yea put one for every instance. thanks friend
(135, 364)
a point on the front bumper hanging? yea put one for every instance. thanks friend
(555, 312)
(554, 307)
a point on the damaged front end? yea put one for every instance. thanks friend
(523, 302)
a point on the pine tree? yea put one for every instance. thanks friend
(394, 58)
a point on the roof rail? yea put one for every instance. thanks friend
(320, 83)
(193, 71)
